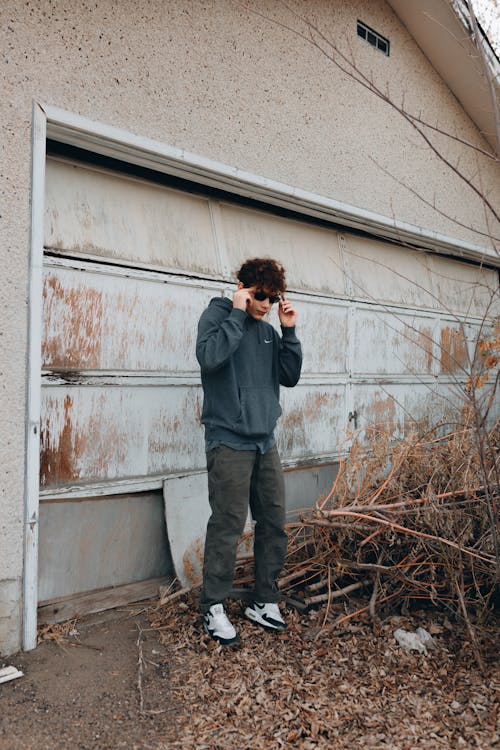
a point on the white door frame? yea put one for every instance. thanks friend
(32, 464)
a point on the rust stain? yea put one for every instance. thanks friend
(313, 406)
(381, 413)
(192, 561)
(293, 420)
(453, 350)
(426, 343)
(72, 326)
(57, 462)
(314, 403)
(164, 437)
(73, 453)
(421, 355)
(109, 445)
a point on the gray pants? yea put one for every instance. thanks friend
(235, 480)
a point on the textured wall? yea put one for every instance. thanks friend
(228, 84)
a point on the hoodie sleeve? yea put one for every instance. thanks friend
(219, 336)
(289, 357)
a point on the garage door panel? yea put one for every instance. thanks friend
(458, 346)
(464, 288)
(92, 544)
(310, 254)
(382, 272)
(396, 409)
(394, 342)
(101, 321)
(96, 434)
(313, 420)
(322, 329)
(93, 212)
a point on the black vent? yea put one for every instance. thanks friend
(374, 38)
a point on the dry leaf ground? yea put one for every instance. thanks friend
(304, 688)
(325, 688)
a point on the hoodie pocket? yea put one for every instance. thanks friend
(260, 410)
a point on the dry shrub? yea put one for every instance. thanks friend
(416, 518)
(413, 519)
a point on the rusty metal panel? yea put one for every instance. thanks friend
(322, 327)
(398, 408)
(311, 254)
(380, 272)
(93, 212)
(107, 433)
(95, 433)
(313, 420)
(111, 321)
(464, 288)
(455, 346)
(394, 342)
(91, 544)
(186, 513)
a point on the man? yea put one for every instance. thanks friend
(243, 361)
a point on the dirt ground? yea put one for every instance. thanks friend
(141, 678)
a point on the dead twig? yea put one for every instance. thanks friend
(140, 668)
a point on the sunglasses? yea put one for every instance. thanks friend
(261, 296)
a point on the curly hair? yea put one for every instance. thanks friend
(263, 273)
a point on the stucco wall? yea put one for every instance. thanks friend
(228, 84)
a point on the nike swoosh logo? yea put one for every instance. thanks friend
(268, 342)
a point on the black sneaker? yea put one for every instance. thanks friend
(267, 614)
(217, 625)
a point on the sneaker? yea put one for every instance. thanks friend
(267, 614)
(217, 625)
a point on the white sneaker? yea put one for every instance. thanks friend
(217, 625)
(267, 614)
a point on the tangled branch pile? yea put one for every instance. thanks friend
(411, 520)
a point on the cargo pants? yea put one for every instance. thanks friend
(237, 479)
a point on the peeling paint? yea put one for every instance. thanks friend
(193, 561)
(115, 322)
(58, 449)
(72, 325)
(453, 350)
(380, 413)
(425, 340)
(100, 433)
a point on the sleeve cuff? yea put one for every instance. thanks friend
(238, 314)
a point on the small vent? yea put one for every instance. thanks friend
(374, 38)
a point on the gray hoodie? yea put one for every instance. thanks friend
(243, 362)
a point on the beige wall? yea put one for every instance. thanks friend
(221, 82)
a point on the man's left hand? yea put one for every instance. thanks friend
(287, 313)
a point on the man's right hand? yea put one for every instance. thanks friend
(242, 298)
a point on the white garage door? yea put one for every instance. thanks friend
(129, 267)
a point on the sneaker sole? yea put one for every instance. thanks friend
(252, 615)
(219, 639)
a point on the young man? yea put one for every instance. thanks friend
(243, 361)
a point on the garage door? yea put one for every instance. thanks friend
(129, 266)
